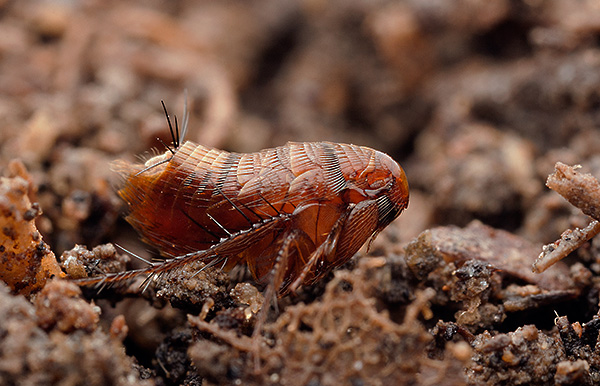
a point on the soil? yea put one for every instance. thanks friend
(477, 100)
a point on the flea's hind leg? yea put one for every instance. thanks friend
(293, 246)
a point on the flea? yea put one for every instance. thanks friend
(290, 213)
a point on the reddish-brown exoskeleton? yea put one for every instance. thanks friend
(291, 213)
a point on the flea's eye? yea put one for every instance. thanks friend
(378, 188)
(377, 184)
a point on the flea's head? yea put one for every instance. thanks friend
(382, 180)
(389, 188)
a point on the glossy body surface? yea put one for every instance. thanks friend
(296, 211)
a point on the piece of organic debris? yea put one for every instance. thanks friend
(26, 262)
(485, 271)
(582, 191)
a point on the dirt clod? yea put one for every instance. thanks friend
(477, 101)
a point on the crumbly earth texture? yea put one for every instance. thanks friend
(477, 100)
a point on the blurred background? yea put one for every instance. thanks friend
(477, 99)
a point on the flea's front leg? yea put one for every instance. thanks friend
(348, 234)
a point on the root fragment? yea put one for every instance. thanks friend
(582, 191)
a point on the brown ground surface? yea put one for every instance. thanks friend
(477, 100)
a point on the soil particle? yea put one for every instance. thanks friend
(517, 358)
(26, 262)
(477, 100)
(44, 346)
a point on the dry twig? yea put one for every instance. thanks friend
(582, 191)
